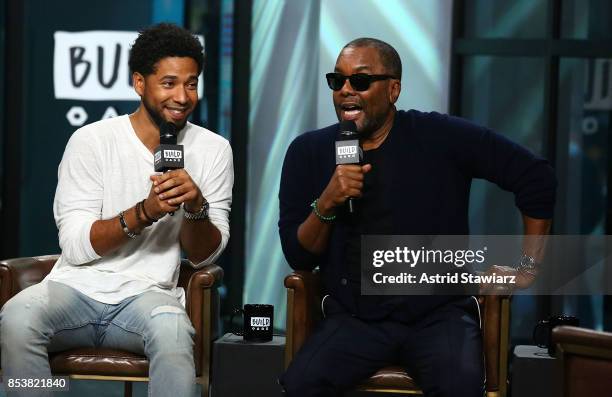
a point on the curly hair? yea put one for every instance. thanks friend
(161, 41)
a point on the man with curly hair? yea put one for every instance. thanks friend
(115, 283)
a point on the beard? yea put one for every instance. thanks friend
(367, 129)
(371, 124)
(157, 117)
(368, 126)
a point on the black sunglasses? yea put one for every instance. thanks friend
(359, 81)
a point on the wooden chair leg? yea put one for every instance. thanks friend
(127, 389)
(204, 389)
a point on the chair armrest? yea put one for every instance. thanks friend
(19, 273)
(495, 312)
(303, 309)
(202, 306)
(584, 361)
(582, 341)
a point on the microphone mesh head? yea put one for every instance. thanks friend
(167, 133)
(348, 127)
(167, 128)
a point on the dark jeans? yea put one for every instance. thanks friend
(442, 351)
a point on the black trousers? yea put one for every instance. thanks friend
(442, 351)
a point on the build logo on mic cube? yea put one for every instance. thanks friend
(168, 157)
(348, 152)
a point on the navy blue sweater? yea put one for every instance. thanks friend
(434, 159)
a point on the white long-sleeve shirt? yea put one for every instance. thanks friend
(105, 169)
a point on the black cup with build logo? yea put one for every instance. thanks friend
(258, 322)
(542, 333)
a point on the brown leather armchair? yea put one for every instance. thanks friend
(202, 305)
(304, 311)
(584, 361)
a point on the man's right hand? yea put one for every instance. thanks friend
(155, 207)
(347, 181)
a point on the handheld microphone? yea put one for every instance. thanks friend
(168, 155)
(348, 150)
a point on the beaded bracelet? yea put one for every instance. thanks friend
(322, 218)
(125, 227)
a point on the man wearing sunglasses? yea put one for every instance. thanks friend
(414, 180)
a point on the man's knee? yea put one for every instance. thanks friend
(170, 329)
(21, 321)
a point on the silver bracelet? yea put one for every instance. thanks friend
(202, 213)
(124, 226)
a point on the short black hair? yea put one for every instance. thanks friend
(162, 41)
(388, 55)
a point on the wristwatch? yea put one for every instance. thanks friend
(527, 265)
(202, 213)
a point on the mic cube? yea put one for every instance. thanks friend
(348, 152)
(168, 157)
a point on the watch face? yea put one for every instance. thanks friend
(527, 262)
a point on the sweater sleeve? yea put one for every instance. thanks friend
(78, 198)
(295, 198)
(485, 154)
(218, 192)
